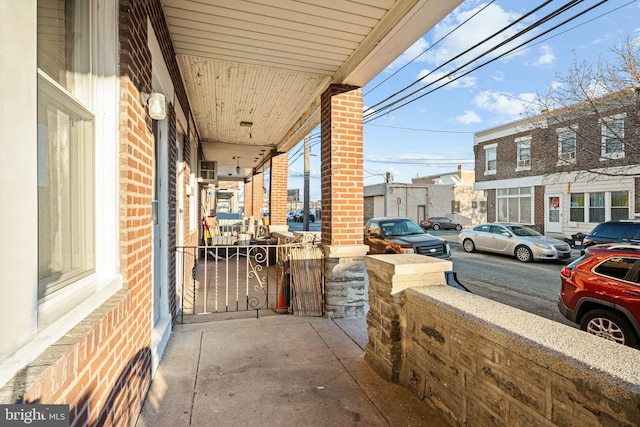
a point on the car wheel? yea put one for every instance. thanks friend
(458, 227)
(609, 325)
(524, 254)
(436, 227)
(468, 245)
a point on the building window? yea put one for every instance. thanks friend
(515, 204)
(566, 145)
(599, 206)
(455, 206)
(523, 147)
(612, 137)
(597, 209)
(619, 205)
(576, 207)
(490, 162)
(65, 148)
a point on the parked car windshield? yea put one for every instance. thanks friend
(521, 230)
(400, 228)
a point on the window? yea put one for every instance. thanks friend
(619, 205)
(576, 207)
(523, 147)
(566, 145)
(597, 208)
(490, 162)
(515, 204)
(66, 244)
(455, 206)
(616, 267)
(612, 137)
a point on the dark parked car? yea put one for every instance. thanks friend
(402, 236)
(623, 231)
(298, 216)
(440, 222)
(601, 292)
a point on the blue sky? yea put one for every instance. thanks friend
(434, 134)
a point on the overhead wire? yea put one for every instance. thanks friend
(378, 113)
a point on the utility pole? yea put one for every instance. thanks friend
(386, 188)
(305, 206)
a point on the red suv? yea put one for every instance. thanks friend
(601, 292)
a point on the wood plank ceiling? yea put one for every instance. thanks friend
(266, 63)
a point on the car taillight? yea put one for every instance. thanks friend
(566, 272)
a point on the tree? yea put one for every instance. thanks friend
(585, 100)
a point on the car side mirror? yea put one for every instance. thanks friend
(376, 235)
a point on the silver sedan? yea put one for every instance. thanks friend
(513, 239)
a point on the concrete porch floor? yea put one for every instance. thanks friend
(278, 369)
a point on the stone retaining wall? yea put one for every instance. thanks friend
(482, 363)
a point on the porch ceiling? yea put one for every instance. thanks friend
(266, 62)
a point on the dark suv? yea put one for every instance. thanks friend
(601, 292)
(623, 231)
(402, 236)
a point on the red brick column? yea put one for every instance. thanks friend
(342, 201)
(248, 198)
(278, 195)
(257, 194)
(342, 193)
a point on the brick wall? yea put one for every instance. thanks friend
(544, 149)
(257, 193)
(341, 153)
(278, 195)
(248, 198)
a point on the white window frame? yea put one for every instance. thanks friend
(52, 317)
(511, 194)
(605, 124)
(487, 149)
(523, 144)
(565, 158)
(607, 205)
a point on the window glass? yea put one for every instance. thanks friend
(619, 205)
(612, 137)
(525, 210)
(596, 207)
(524, 154)
(576, 207)
(502, 213)
(490, 159)
(65, 146)
(617, 267)
(567, 146)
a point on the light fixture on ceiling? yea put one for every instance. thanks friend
(247, 125)
(156, 104)
(237, 158)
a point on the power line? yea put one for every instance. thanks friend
(379, 112)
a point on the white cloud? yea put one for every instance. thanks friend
(469, 117)
(481, 26)
(504, 104)
(498, 76)
(546, 57)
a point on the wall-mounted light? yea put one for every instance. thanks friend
(156, 104)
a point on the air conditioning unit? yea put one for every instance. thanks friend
(569, 155)
(208, 171)
(524, 163)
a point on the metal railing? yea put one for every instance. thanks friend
(236, 277)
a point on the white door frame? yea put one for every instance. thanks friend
(552, 211)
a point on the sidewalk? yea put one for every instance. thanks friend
(280, 370)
